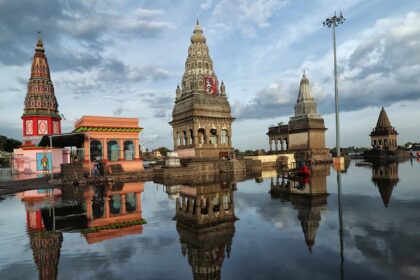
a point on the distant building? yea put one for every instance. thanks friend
(384, 141)
(305, 133)
(384, 136)
(201, 118)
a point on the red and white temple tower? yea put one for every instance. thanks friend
(40, 115)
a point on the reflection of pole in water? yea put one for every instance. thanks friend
(340, 219)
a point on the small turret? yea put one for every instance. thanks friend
(222, 89)
(178, 92)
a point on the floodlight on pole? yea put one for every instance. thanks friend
(333, 22)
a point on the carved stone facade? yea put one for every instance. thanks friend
(201, 118)
(305, 133)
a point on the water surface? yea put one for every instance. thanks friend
(223, 230)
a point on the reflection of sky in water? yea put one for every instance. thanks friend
(379, 242)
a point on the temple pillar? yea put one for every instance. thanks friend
(184, 204)
(123, 206)
(211, 214)
(86, 148)
(89, 211)
(121, 149)
(270, 142)
(276, 143)
(136, 149)
(106, 206)
(104, 148)
(190, 205)
(138, 202)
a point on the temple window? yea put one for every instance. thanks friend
(115, 204)
(224, 139)
(178, 139)
(98, 207)
(95, 150)
(113, 150)
(130, 202)
(200, 84)
(191, 136)
(128, 150)
(201, 136)
(199, 65)
(213, 136)
(184, 138)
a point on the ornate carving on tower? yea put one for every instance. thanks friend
(202, 114)
(41, 116)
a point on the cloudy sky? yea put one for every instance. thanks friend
(125, 58)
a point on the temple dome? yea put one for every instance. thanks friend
(383, 120)
(198, 36)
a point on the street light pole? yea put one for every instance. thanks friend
(333, 22)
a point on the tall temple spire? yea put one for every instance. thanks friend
(199, 76)
(201, 118)
(41, 116)
(305, 104)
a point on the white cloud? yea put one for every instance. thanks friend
(245, 16)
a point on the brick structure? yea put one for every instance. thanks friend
(201, 118)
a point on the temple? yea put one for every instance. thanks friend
(201, 118)
(308, 196)
(304, 135)
(40, 118)
(384, 136)
(384, 141)
(205, 218)
(385, 177)
(112, 141)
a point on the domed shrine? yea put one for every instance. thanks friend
(201, 118)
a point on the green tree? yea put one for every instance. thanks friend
(8, 144)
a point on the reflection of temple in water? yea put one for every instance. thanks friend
(99, 213)
(45, 245)
(205, 222)
(308, 196)
(113, 211)
(385, 177)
